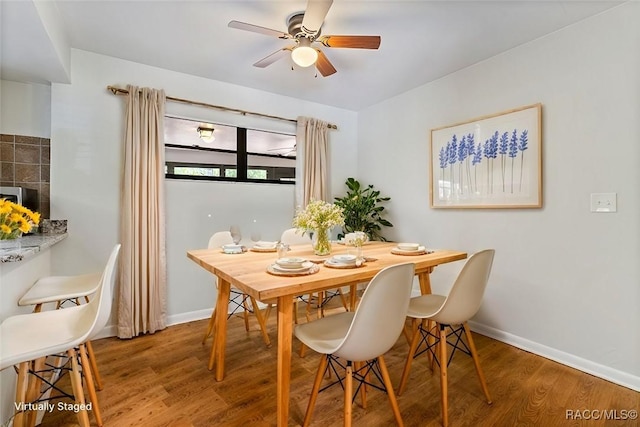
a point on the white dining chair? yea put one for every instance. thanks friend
(237, 300)
(26, 339)
(361, 338)
(440, 312)
(59, 290)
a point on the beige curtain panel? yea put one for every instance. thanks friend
(312, 145)
(142, 296)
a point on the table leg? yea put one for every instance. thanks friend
(353, 296)
(425, 282)
(285, 317)
(220, 338)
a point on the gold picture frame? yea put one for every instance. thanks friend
(494, 161)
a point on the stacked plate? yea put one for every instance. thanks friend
(264, 246)
(342, 261)
(292, 265)
(409, 249)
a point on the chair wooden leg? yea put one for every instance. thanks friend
(316, 387)
(78, 392)
(245, 312)
(430, 325)
(210, 326)
(87, 370)
(412, 351)
(21, 394)
(476, 361)
(321, 297)
(363, 386)
(303, 350)
(442, 347)
(33, 390)
(261, 322)
(308, 312)
(392, 397)
(348, 395)
(94, 366)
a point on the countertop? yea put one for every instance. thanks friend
(18, 249)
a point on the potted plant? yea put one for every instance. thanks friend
(362, 210)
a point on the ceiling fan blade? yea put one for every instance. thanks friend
(353, 42)
(314, 15)
(323, 65)
(270, 59)
(258, 29)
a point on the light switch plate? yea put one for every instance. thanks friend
(603, 202)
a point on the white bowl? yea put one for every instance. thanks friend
(408, 246)
(344, 259)
(295, 262)
(232, 249)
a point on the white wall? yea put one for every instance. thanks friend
(25, 109)
(86, 153)
(565, 281)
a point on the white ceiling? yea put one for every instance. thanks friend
(421, 40)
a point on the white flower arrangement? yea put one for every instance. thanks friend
(357, 238)
(318, 215)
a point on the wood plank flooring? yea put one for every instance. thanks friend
(162, 380)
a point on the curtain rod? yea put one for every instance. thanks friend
(118, 91)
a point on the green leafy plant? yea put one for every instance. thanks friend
(362, 210)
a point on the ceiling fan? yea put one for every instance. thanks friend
(304, 29)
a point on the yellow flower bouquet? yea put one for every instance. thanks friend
(318, 217)
(15, 219)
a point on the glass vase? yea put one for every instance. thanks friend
(321, 243)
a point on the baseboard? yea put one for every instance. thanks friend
(601, 371)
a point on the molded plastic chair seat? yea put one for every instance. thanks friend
(60, 288)
(362, 337)
(440, 312)
(323, 337)
(425, 305)
(26, 339)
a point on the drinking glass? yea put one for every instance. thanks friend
(282, 250)
(235, 234)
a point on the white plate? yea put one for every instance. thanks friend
(408, 246)
(290, 263)
(265, 245)
(420, 249)
(305, 266)
(343, 259)
(332, 264)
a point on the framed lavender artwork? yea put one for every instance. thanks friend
(493, 161)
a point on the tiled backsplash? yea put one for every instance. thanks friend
(24, 162)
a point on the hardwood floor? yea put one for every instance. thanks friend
(162, 380)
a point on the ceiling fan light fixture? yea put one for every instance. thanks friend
(303, 54)
(206, 134)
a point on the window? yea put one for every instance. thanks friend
(235, 154)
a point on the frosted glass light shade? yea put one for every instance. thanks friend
(206, 134)
(304, 55)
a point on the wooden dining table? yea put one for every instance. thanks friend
(247, 271)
